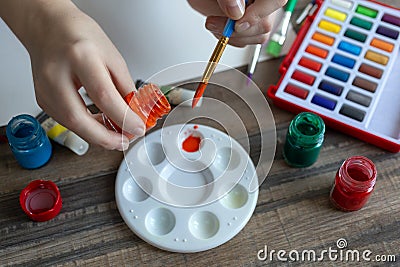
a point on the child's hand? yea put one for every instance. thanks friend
(68, 50)
(253, 23)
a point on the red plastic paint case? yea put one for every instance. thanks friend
(349, 76)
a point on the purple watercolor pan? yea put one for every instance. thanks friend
(387, 32)
(391, 19)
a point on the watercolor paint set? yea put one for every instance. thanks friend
(345, 66)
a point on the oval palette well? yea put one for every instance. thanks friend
(186, 200)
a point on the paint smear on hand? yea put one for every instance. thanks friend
(191, 143)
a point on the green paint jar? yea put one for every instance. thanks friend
(304, 140)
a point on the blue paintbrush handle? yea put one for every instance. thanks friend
(229, 28)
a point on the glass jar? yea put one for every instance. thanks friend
(148, 102)
(28, 141)
(304, 139)
(354, 183)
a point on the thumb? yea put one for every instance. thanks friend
(234, 9)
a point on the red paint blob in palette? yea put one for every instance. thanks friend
(343, 66)
(191, 143)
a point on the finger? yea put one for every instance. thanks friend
(98, 83)
(207, 7)
(262, 26)
(72, 113)
(98, 134)
(120, 75)
(234, 9)
(243, 41)
(253, 27)
(255, 20)
(216, 25)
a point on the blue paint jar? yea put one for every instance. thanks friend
(28, 141)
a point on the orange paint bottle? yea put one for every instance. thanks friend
(149, 103)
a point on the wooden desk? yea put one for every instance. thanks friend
(293, 210)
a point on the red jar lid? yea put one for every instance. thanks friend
(41, 200)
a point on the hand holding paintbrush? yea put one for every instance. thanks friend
(241, 29)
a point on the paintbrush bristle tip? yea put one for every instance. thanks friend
(194, 103)
(198, 94)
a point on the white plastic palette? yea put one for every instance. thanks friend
(186, 202)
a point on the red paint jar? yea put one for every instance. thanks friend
(354, 183)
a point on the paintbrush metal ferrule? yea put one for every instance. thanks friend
(279, 35)
(214, 59)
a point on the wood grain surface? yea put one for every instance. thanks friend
(292, 213)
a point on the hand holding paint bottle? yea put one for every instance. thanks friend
(149, 103)
(73, 52)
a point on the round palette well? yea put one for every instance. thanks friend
(186, 201)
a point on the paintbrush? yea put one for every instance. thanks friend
(306, 11)
(278, 38)
(214, 59)
(252, 66)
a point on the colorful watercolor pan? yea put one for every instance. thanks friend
(186, 202)
(345, 66)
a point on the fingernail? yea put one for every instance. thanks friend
(211, 26)
(138, 131)
(241, 6)
(242, 26)
(235, 10)
(124, 144)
